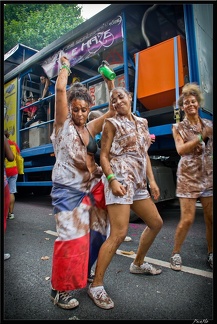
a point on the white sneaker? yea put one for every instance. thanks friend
(127, 239)
(7, 256)
(11, 216)
(176, 262)
(145, 268)
(100, 297)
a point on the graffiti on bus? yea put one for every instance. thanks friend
(92, 43)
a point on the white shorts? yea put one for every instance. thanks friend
(134, 192)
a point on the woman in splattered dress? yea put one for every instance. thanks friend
(77, 192)
(194, 143)
(126, 166)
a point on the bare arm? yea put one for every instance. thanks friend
(45, 88)
(8, 152)
(182, 147)
(155, 192)
(61, 104)
(106, 142)
(95, 125)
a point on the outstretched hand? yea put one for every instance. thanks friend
(64, 60)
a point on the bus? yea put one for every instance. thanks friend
(154, 49)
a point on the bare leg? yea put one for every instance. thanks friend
(207, 203)
(147, 211)
(119, 221)
(12, 202)
(188, 208)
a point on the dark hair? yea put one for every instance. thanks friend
(79, 91)
(120, 88)
(43, 76)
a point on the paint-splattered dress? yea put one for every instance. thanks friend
(195, 169)
(128, 155)
(79, 209)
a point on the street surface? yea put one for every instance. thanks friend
(185, 295)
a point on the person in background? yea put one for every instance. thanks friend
(126, 167)
(8, 154)
(12, 174)
(77, 193)
(30, 111)
(49, 86)
(40, 115)
(48, 90)
(194, 143)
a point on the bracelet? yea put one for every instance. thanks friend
(64, 66)
(110, 176)
(200, 138)
(112, 179)
(65, 63)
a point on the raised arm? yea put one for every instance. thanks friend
(95, 125)
(106, 142)
(110, 85)
(61, 103)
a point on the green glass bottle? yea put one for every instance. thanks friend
(106, 71)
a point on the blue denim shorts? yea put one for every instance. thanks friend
(12, 181)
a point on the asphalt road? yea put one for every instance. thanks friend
(185, 295)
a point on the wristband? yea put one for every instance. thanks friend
(200, 138)
(112, 179)
(110, 176)
(64, 66)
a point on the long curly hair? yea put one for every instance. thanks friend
(190, 89)
(79, 91)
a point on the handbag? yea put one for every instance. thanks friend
(20, 164)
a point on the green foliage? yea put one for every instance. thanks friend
(37, 25)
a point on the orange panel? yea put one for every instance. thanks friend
(156, 74)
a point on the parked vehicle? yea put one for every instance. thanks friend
(153, 49)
